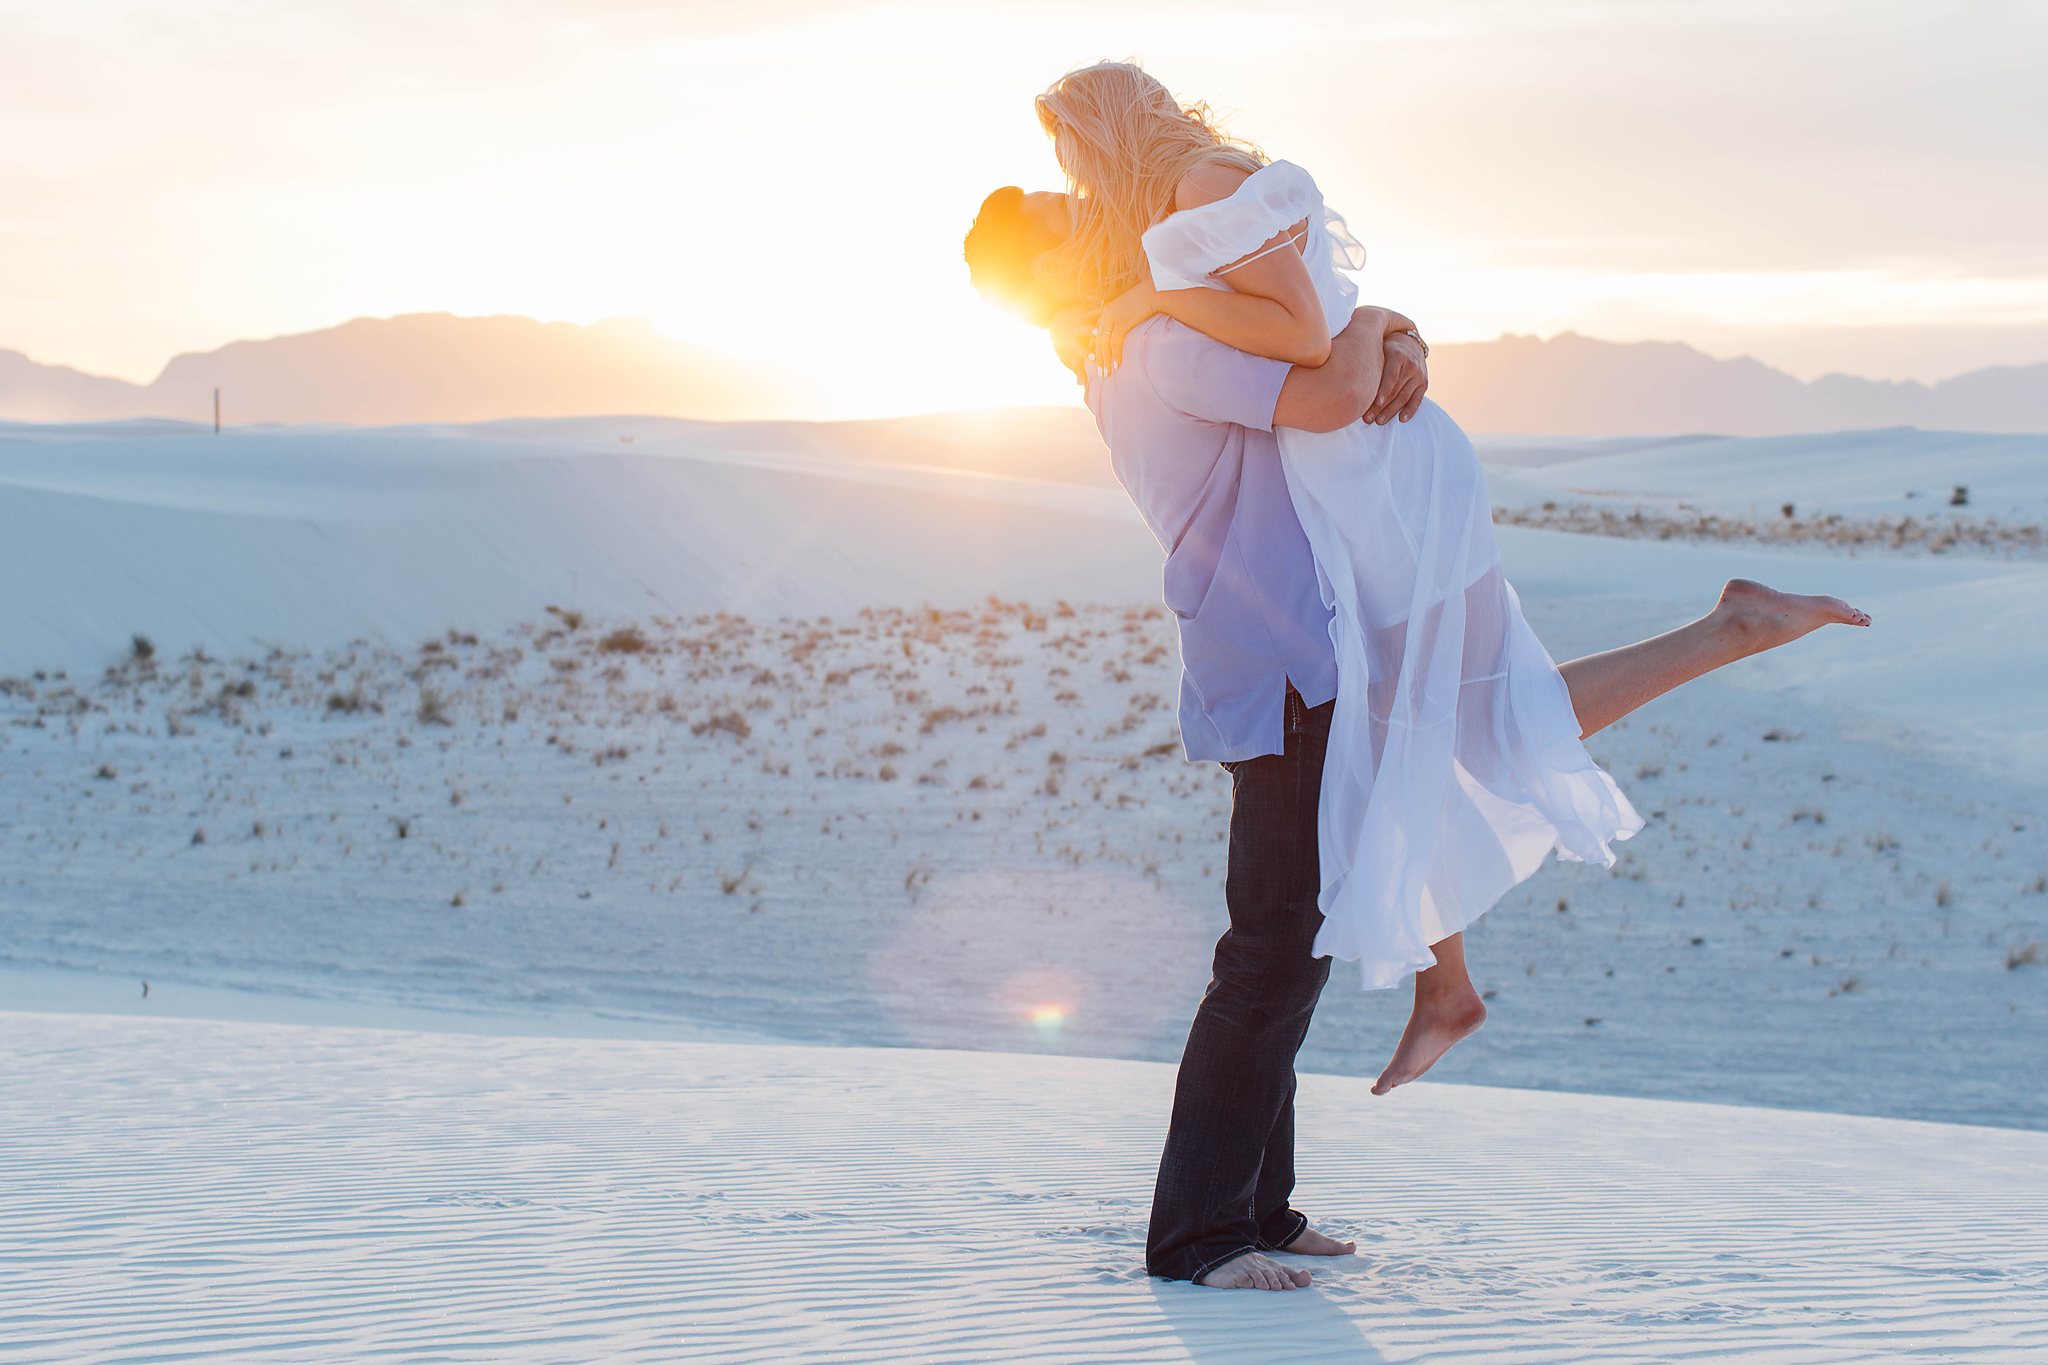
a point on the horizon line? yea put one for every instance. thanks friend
(648, 322)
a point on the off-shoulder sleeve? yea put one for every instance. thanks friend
(1187, 246)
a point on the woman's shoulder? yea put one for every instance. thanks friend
(1207, 182)
(1214, 182)
(1247, 210)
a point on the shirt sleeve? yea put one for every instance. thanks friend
(1210, 381)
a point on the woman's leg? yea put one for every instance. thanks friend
(1749, 619)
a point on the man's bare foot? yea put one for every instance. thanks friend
(1759, 618)
(1313, 1243)
(1253, 1271)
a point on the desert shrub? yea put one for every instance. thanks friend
(433, 708)
(625, 640)
(731, 722)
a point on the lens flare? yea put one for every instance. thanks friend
(1046, 1021)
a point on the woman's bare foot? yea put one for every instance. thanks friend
(1253, 1271)
(1433, 1029)
(1309, 1242)
(1446, 1010)
(1757, 618)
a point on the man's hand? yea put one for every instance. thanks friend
(1404, 380)
(1072, 330)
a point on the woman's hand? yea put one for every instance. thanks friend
(1119, 316)
(1072, 330)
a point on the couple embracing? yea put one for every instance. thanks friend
(1402, 748)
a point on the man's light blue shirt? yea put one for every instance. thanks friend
(1189, 425)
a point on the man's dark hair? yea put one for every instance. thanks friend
(1000, 249)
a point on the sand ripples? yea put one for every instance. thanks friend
(186, 1191)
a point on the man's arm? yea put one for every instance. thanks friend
(1376, 371)
(1337, 392)
(1373, 371)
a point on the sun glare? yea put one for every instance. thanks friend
(792, 187)
(738, 220)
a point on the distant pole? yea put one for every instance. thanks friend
(216, 412)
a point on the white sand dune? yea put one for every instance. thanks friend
(928, 826)
(312, 537)
(1891, 473)
(180, 1191)
(315, 537)
(1955, 665)
(1842, 920)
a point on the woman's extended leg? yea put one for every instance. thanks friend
(1749, 619)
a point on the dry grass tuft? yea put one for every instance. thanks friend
(730, 722)
(433, 708)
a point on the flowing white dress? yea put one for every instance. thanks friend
(1454, 759)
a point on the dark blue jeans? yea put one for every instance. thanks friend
(1228, 1169)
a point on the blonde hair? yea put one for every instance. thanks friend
(1125, 143)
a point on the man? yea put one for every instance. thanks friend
(1189, 424)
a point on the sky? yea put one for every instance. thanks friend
(1855, 187)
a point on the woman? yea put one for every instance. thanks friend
(1455, 754)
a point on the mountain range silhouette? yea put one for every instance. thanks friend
(436, 367)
